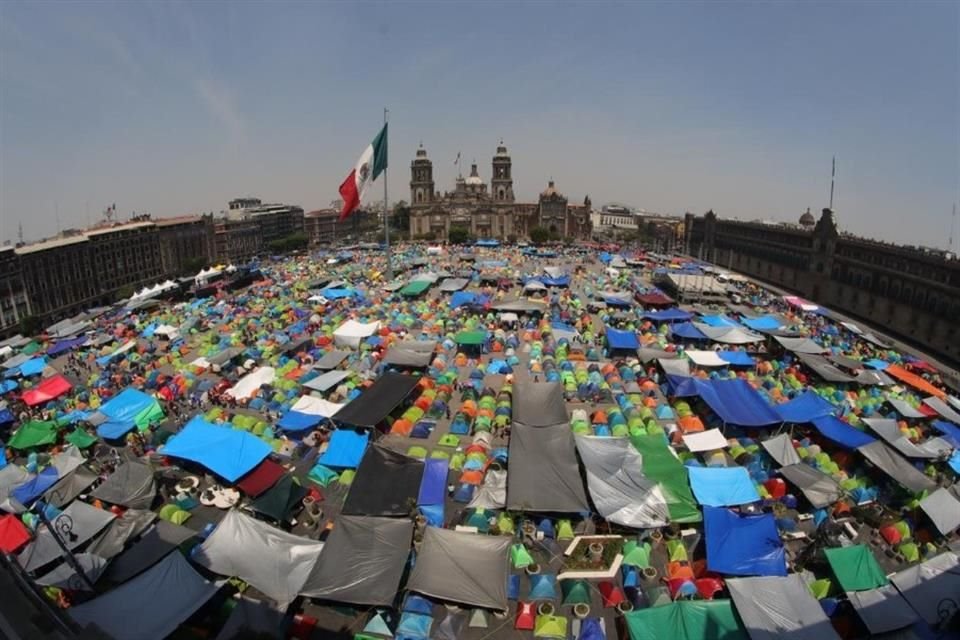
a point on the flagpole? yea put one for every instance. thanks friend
(386, 209)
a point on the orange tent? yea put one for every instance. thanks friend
(914, 380)
(690, 424)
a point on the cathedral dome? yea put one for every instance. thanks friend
(550, 190)
(807, 220)
(474, 177)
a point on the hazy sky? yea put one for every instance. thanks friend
(177, 108)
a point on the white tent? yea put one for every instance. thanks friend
(316, 406)
(706, 358)
(709, 440)
(275, 562)
(251, 383)
(167, 331)
(351, 332)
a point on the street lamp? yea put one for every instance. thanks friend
(60, 528)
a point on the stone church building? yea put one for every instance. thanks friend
(489, 211)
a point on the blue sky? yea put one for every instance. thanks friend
(176, 108)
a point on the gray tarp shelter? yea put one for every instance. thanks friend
(462, 567)
(254, 616)
(874, 378)
(275, 562)
(882, 609)
(377, 401)
(67, 460)
(152, 605)
(65, 577)
(111, 541)
(420, 346)
(800, 345)
(820, 489)
(781, 449)
(87, 522)
(152, 547)
(400, 357)
(326, 380)
(131, 485)
(943, 509)
(943, 409)
(904, 409)
(386, 484)
(773, 608)
(544, 473)
(362, 561)
(888, 429)
(492, 494)
(331, 359)
(895, 466)
(728, 335)
(453, 284)
(675, 367)
(66, 489)
(620, 491)
(926, 586)
(822, 367)
(520, 306)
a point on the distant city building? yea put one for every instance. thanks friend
(321, 226)
(488, 211)
(183, 240)
(14, 302)
(236, 241)
(276, 221)
(612, 217)
(909, 291)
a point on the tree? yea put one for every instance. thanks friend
(289, 243)
(29, 325)
(539, 235)
(458, 235)
(126, 292)
(193, 265)
(401, 215)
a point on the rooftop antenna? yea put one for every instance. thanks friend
(833, 175)
(20, 232)
(953, 224)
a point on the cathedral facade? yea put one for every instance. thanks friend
(489, 211)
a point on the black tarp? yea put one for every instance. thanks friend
(544, 473)
(897, 467)
(373, 405)
(820, 489)
(362, 561)
(279, 501)
(131, 485)
(149, 550)
(110, 543)
(331, 359)
(822, 367)
(387, 484)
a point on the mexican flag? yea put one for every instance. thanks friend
(372, 162)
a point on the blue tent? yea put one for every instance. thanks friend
(722, 486)
(337, 294)
(835, 429)
(805, 408)
(720, 321)
(345, 449)
(121, 411)
(297, 421)
(32, 367)
(737, 358)
(227, 452)
(7, 386)
(543, 586)
(668, 315)
(433, 485)
(461, 298)
(66, 345)
(561, 281)
(617, 301)
(743, 545)
(687, 330)
(6, 417)
(763, 323)
(590, 629)
(618, 339)
(950, 430)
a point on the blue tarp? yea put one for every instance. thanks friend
(617, 301)
(35, 486)
(337, 294)
(743, 545)
(763, 323)
(562, 281)
(877, 364)
(722, 486)
(840, 432)
(345, 449)
(948, 429)
(618, 339)
(32, 367)
(66, 345)
(687, 330)
(737, 358)
(8, 385)
(297, 421)
(121, 411)
(668, 315)
(720, 321)
(6, 416)
(487, 243)
(433, 485)
(805, 408)
(228, 452)
(461, 298)
(735, 401)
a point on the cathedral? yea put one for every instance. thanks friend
(489, 211)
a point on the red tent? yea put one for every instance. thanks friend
(49, 389)
(526, 618)
(13, 534)
(654, 299)
(264, 475)
(611, 594)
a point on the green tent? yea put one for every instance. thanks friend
(820, 589)
(415, 288)
(520, 556)
(636, 555)
(470, 337)
(855, 568)
(152, 414)
(661, 465)
(80, 438)
(449, 440)
(31, 348)
(686, 620)
(575, 592)
(550, 627)
(33, 434)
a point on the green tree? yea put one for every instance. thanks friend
(289, 243)
(539, 235)
(193, 265)
(458, 235)
(29, 325)
(126, 292)
(401, 215)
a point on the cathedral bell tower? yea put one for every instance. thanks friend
(421, 179)
(501, 182)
